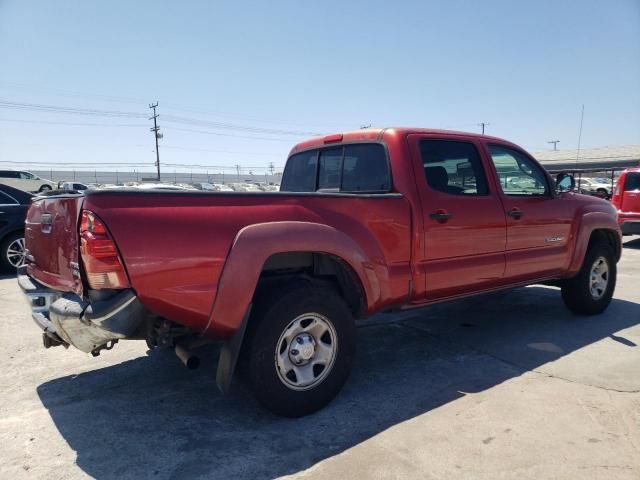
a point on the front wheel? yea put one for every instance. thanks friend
(301, 344)
(45, 188)
(590, 292)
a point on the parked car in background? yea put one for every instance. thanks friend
(592, 186)
(25, 181)
(626, 198)
(77, 186)
(366, 221)
(14, 204)
(212, 187)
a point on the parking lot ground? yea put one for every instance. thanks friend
(509, 385)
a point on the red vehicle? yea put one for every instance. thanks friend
(626, 198)
(366, 221)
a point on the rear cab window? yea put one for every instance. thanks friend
(632, 181)
(352, 168)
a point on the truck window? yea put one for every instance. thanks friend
(356, 168)
(453, 167)
(632, 182)
(330, 169)
(300, 173)
(518, 174)
(365, 169)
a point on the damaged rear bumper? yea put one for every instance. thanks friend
(65, 318)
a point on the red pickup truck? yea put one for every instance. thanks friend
(366, 221)
(626, 198)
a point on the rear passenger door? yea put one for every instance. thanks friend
(464, 223)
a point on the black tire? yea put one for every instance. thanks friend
(45, 188)
(576, 292)
(272, 316)
(5, 264)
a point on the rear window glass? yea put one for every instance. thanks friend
(9, 174)
(358, 168)
(632, 182)
(365, 169)
(300, 173)
(330, 169)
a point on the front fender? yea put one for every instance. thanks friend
(589, 222)
(254, 244)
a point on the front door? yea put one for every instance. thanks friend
(538, 222)
(464, 222)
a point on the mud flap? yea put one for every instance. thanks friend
(229, 355)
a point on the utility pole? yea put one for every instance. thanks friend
(272, 167)
(483, 124)
(156, 134)
(555, 144)
(238, 171)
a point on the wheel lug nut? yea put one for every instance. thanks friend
(299, 340)
(294, 352)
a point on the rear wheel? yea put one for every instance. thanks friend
(45, 188)
(300, 347)
(590, 292)
(12, 253)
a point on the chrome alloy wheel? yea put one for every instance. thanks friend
(599, 278)
(15, 253)
(306, 351)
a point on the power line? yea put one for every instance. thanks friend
(227, 134)
(72, 124)
(231, 126)
(140, 102)
(169, 118)
(68, 110)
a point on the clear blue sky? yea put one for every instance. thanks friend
(524, 67)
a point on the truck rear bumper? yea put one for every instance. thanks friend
(67, 318)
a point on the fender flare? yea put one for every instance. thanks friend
(589, 222)
(254, 244)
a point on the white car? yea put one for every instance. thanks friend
(25, 181)
(593, 186)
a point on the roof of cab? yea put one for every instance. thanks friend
(375, 134)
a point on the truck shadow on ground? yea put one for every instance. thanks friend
(635, 243)
(150, 417)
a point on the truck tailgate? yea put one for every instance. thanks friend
(51, 241)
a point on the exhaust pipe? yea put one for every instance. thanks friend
(187, 357)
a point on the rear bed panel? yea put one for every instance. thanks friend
(174, 245)
(51, 236)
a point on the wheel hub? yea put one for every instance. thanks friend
(599, 278)
(306, 351)
(302, 349)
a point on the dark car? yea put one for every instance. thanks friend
(14, 204)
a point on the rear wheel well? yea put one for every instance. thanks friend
(606, 236)
(317, 268)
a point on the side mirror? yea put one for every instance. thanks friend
(565, 182)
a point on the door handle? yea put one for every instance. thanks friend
(515, 213)
(441, 216)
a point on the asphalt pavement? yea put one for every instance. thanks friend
(510, 385)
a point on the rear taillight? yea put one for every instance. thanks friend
(102, 263)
